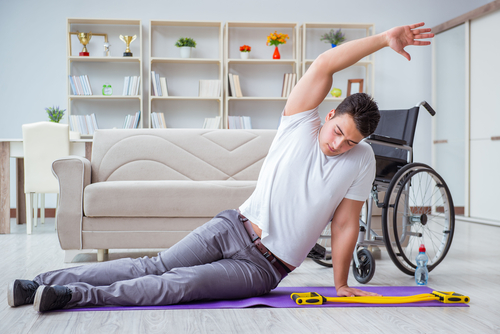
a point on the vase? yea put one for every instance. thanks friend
(276, 54)
(244, 55)
(334, 45)
(185, 51)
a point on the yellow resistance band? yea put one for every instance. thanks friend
(313, 298)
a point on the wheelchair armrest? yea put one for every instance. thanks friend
(385, 139)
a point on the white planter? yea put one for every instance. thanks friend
(244, 55)
(185, 51)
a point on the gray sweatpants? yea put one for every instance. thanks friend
(215, 261)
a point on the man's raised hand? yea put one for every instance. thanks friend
(400, 37)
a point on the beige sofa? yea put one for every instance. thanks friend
(149, 188)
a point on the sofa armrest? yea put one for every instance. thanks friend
(73, 174)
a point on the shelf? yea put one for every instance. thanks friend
(104, 21)
(104, 97)
(185, 98)
(260, 25)
(359, 63)
(105, 59)
(185, 60)
(263, 61)
(185, 23)
(339, 25)
(334, 99)
(254, 98)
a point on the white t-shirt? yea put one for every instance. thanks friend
(299, 187)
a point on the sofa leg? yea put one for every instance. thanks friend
(100, 254)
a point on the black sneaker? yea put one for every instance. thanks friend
(52, 297)
(21, 292)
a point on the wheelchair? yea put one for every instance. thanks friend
(415, 201)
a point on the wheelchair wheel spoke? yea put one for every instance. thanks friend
(420, 194)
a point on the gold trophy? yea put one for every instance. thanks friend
(84, 39)
(127, 40)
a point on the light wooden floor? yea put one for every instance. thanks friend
(472, 267)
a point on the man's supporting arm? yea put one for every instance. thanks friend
(345, 229)
(312, 88)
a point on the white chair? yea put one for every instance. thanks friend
(43, 143)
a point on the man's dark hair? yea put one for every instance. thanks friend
(363, 110)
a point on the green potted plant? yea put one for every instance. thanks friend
(185, 44)
(55, 114)
(333, 37)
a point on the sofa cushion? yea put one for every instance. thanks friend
(176, 198)
(179, 154)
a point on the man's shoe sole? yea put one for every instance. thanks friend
(38, 297)
(10, 294)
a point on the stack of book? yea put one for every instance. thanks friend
(85, 124)
(158, 120)
(239, 122)
(132, 121)
(209, 88)
(212, 123)
(80, 85)
(289, 81)
(159, 85)
(131, 85)
(234, 85)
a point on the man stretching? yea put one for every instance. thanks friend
(312, 174)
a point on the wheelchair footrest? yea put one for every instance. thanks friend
(318, 252)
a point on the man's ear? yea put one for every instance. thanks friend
(330, 115)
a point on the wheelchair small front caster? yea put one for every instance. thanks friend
(366, 269)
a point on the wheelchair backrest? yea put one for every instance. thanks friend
(397, 124)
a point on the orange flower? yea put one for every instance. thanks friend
(276, 38)
(245, 48)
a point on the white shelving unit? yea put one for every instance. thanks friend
(110, 110)
(312, 47)
(183, 108)
(261, 76)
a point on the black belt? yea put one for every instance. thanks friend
(280, 266)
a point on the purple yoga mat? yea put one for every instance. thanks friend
(280, 298)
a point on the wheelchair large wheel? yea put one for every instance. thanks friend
(418, 209)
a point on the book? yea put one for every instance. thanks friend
(209, 88)
(285, 85)
(239, 122)
(293, 80)
(212, 123)
(157, 77)
(163, 83)
(85, 124)
(237, 86)
(162, 118)
(231, 85)
(89, 87)
(289, 81)
(153, 82)
(138, 86)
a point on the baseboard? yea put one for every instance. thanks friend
(49, 213)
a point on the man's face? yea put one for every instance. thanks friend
(338, 134)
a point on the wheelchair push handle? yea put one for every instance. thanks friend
(428, 107)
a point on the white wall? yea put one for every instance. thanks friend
(33, 46)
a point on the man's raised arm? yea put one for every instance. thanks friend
(312, 88)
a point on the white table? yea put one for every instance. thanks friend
(13, 148)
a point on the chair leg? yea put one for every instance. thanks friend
(35, 209)
(29, 213)
(42, 208)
